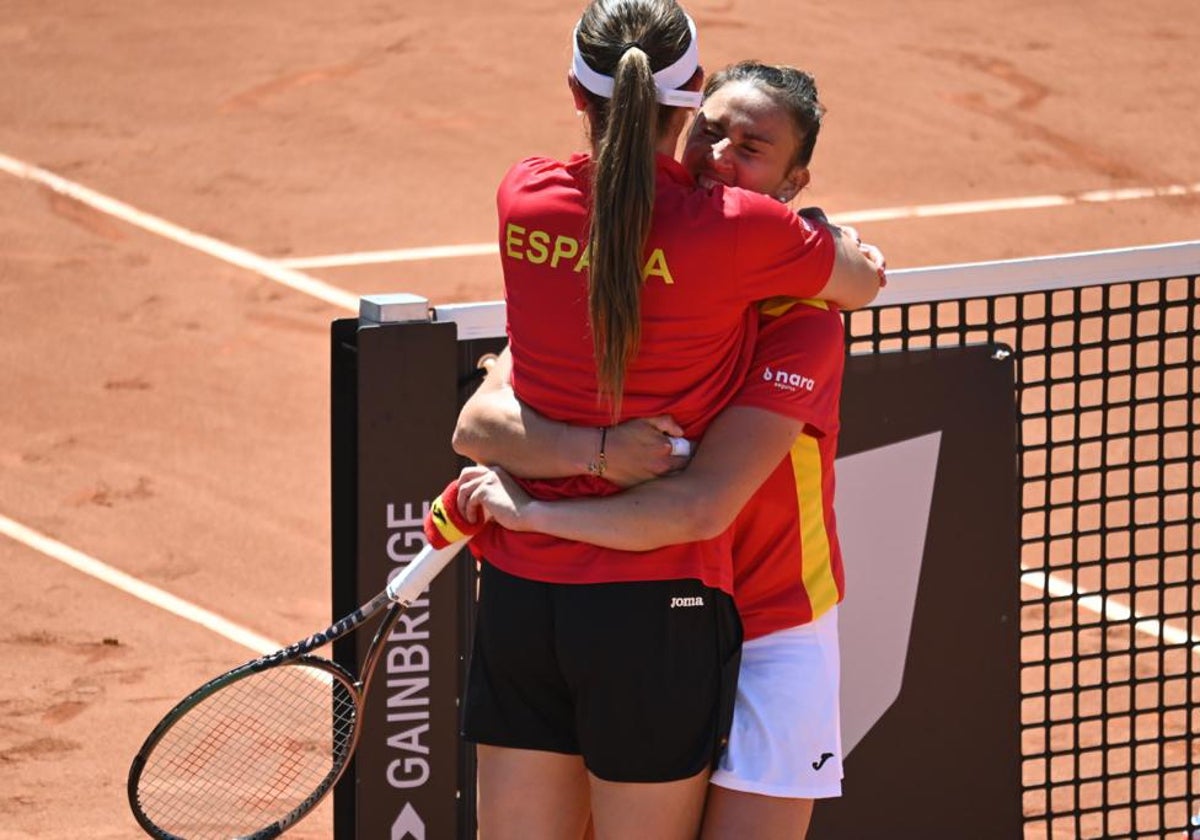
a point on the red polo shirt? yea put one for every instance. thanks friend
(786, 557)
(709, 256)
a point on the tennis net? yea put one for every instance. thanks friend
(1106, 347)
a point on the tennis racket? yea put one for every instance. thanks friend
(251, 752)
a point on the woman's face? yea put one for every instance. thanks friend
(742, 138)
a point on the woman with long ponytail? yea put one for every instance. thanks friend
(601, 682)
(622, 210)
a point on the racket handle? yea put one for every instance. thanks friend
(415, 578)
(447, 531)
(444, 524)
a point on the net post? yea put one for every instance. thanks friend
(393, 403)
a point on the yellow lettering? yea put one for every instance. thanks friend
(513, 241)
(656, 266)
(536, 247)
(537, 253)
(565, 247)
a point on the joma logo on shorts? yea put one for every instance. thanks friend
(788, 381)
(687, 602)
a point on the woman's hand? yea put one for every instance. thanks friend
(491, 493)
(639, 450)
(875, 257)
(873, 254)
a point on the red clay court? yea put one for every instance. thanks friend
(165, 371)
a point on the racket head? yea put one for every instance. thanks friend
(249, 753)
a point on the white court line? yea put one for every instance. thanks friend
(394, 256)
(885, 214)
(271, 269)
(222, 251)
(1033, 202)
(139, 589)
(1111, 609)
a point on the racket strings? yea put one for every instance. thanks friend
(250, 754)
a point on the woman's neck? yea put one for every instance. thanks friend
(669, 141)
(667, 145)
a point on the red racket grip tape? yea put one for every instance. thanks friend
(444, 524)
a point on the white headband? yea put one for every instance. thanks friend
(666, 80)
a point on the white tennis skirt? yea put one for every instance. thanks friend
(786, 739)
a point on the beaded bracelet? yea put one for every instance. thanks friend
(598, 466)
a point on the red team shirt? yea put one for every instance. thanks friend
(787, 561)
(709, 256)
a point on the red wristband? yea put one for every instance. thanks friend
(444, 524)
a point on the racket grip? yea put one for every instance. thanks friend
(444, 524)
(415, 578)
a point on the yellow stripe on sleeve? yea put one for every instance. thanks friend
(814, 538)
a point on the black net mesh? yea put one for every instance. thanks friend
(1107, 379)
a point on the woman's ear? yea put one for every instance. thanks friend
(795, 181)
(577, 93)
(680, 117)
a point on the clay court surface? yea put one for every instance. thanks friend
(166, 412)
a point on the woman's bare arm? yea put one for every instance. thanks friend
(495, 428)
(858, 269)
(741, 448)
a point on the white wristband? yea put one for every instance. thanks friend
(680, 446)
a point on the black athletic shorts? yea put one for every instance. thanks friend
(638, 678)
